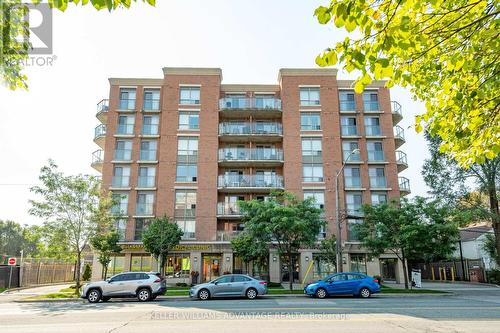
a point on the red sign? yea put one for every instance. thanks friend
(12, 261)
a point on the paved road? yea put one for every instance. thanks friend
(464, 311)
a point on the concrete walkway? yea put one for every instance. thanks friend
(449, 286)
(14, 295)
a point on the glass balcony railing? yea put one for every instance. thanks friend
(120, 181)
(146, 181)
(378, 182)
(399, 133)
(127, 104)
(103, 106)
(241, 103)
(227, 235)
(373, 130)
(349, 130)
(147, 155)
(404, 184)
(231, 209)
(151, 105)
(371, 106)
(144, 209)
(401, 157)
(98, 156)
(396, 108)
(250, 154)
(100, 131)
(376, 156)
(123, 155)
(260, 128)
(242, 181)
(347, 106)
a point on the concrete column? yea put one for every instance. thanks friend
(227, 262)
(96, 269)
(196, 265)
(274, 266)
(305, 262)
(400, 273)
(127, 261)
(373, 267)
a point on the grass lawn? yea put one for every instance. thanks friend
(389, 290)
(63, 293)
(2, 290)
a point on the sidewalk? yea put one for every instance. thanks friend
(18, 294)
(447, 286)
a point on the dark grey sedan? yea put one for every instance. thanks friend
(231, 285)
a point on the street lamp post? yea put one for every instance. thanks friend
(337, 212)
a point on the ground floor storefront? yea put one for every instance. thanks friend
(191, 263)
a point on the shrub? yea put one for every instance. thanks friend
(87, 273)
(274, 285)
(493, 276)
(181, 284)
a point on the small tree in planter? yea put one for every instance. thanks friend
(194, 277)
(87, 273)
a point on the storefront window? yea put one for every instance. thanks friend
(322, 267)
(358, 263)
(239, 266)
(116, 265)
(177, 266)
(141, 263)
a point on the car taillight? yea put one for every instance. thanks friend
(157, 280)
(375, 280)
(263, 282)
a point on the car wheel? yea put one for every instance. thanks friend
(251, 293)
(143, 295)
(365, 292)
(321, 293)
(94, 296)
(204, 294)
(105, 299)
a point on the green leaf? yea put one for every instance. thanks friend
(359, 87)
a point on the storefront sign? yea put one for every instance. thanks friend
(180, 247)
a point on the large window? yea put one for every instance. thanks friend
(319, 202)
(189, 95)
(354, 202)
(145, 203)
(150, 125)
(116, 266)
(120, 227)
(185, 203)
(311, 147)
(187, 227)
(123, 150)
(187, 157)
(120, 204)
(121, 176)
(375, 151)
(127, 98)
(322, 266)
(378, 198)
(372, 126)
(377, 177)
(148, 150)
(146, 177)
(140, 226)
(141, 263)
(312, 161)
(151, 100)
(186, 172)
(352, 234)
(352, 177)
(347, 102)
(125, 125)
(312, 172)
(347, 148)
(348, 126)
(370, 101)
(358, 263)
(189, 120)
(310, 121)
(309, 96)
(178, 266)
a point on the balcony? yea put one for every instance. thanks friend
(235, 157)
(347, 106)
(102, 110)
(252, 183)
(404, 186)
(237, 107)
(397, 113)
(97, 159)
(244, 131)
(371, 106)
(100, 135)
(228, 210)
(399, 136)
(401, 160)
(227, 235)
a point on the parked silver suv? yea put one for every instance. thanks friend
(143, 285)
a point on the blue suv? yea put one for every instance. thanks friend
(356, 284)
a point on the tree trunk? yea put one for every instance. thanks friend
(290, 271)
(161, 262)
(77, 271)
(405, 269)
(492, 194)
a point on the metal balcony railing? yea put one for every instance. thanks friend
(120, 181)
(348, 106)
(123, 154)
(103, 106)
(372, 130)
(127, 104)
(378, 182)
(242, 181)
(371, 106)
(349, 130)
(399, 133)
(260, 128)
(146, 181)
(376, 156)
(125, 129)
(404, 184)
(396, 108)
(401, 157)
(227, 209)
(223, 235)
(241, 103)
(250, 154)
(98, 156)
(99, 131)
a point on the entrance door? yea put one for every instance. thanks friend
(295, 268)
(388, 268)
(211, 266)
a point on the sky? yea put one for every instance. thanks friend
(249, 40)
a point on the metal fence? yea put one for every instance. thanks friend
(37, 271)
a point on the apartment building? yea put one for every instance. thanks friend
(189, 147)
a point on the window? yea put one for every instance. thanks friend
(185, 203)
(347, 102)
(141, 263)
(378, 198)
(187, 227)
(375, 151)
(145, 202)
(267, 102)
(123, 150)
(187, 157)
(186, 172)
(189, 95)
(312, 161)
(150, 125)
(140, 226)
(224, 279)
(377, 177)
(151, 99)
(322, 266)
(352, 177)
(310, 121)
(312, 172)
(240, 278)
(127, 98)
(372, 126)
(177, 266)
(189, 120)
(319, 202)
(187, 146)
(309, 96)
(125, 125)
(348, 126)
(370, 101)
(347, 148)
(146, 177)
(358, 263)
(352, 235)
(116, 265)
(120, 226)
(311, 147)
(120, 204)
(353, 203)
(121, 176)
(148, 150)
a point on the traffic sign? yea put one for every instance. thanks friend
(12, 261)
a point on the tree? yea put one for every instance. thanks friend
(489, 246)
(87, 273)
(250, 249)
(447, 52)
(450, 182)
(160, 238)
(283, 220)
(14, 53)
(15, 238)
(418, 230)
(67, 204)
(328, 248)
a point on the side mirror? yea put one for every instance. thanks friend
(109, 280)
(216, 282)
